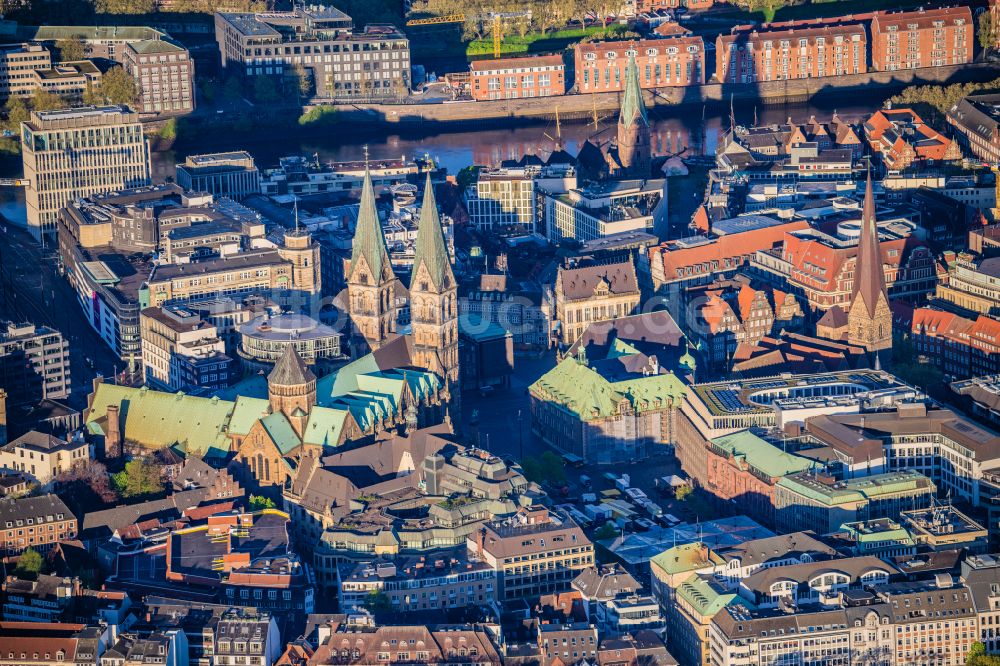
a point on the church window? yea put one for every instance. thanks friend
(423, 286)
(267, 469)
(260, 465)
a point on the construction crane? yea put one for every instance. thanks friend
(437, 20)
(498, 18)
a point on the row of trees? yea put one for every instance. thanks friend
(546, 15)
(933, 102)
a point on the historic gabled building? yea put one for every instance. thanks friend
(371, 282)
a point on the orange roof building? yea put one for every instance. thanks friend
(901, 137)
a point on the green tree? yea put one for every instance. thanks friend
(377, 601)
(117, 87)
(987, 31)
(606, 531)
(552, 467)
(319, 116)
(46, 101)
(264, 90)
(303, 81)
(16, 112)
(259, 503)
(29, 564)
(71, 49)
(140, 478)
(232, 89)
(683, 492)
(976, 650)
(125, 6)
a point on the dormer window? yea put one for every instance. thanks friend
(652, 52)
(590, 56)
(611, 55)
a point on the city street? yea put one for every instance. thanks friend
(31, 289)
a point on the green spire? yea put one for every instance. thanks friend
(431, 249)
(369, 242)
(633, 107)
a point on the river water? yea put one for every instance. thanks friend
(674, 129)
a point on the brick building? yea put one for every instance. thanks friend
(922, 38)
(959, 346)
(797, 52)
(902, 138)
(671, 62)
(511, 78)
(35, 522)
(744, 468)
(977, 121)
(164, 74)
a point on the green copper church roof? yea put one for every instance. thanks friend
(633, 108)
(431, 250)
(157, 419)
(369, 242)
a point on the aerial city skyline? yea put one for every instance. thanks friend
(532, 333)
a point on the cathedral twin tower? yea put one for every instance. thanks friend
(374, 290)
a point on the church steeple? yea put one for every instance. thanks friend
(371, 283)
(633, 141)
(869, 317)
(434, 296)
(431, 251)
(291, 388)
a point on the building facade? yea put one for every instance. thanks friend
(512, 78)
(660, 63)
(922, 38)
(35, 522)
(74, 153)
(34, 363)
(233, 175)
(775, 54)
(164, 74)
(339, 63)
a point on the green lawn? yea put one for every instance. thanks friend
(548, 42)
(825, 9)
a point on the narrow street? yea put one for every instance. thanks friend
(31, 289)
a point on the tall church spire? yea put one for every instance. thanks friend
(869, 277)
(634, 153)
(869, 319)
(371, 283)
(431, 252)
(434, 298)
(633, 107)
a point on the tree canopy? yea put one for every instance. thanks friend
(140, 478)
(117, 87)
(71, 49)
(29, 564)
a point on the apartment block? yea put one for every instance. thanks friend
(977, 121)
(769, 54)
(537, 553)
(511, 78)
(502, 198)
(181, 351)
(70, 80)
(34, 363)
(419, 583)
(922, 38)
(672, 62)
(34, 522)
(74, 153)
(164, 74)
(341, 63)
(18, 63)
(594, 293)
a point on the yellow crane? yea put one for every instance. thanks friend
(436, 20)
(498, 18)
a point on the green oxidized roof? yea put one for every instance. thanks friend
(761, 455)
(369, 242)
(633, 107)
(704, 597)
(431, 250)
(590, 396)
(860, 489)
(247, 411)
(325, 426)
(157, 420)
(686, 557)
(281, 432)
